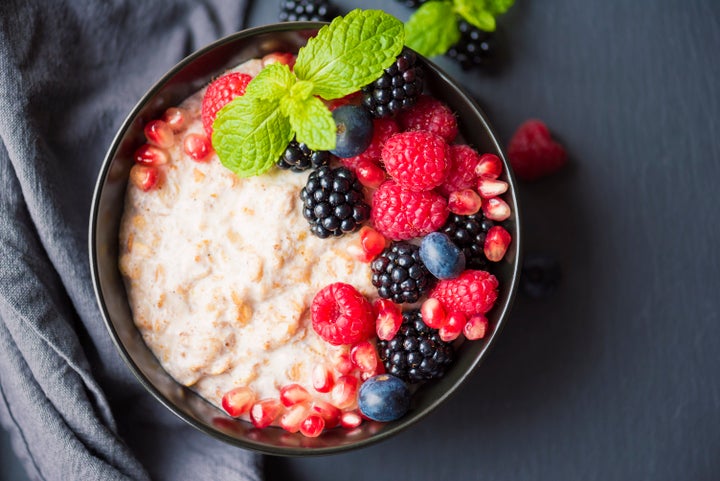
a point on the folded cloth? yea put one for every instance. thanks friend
(70, 71)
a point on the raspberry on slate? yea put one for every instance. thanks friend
(432, 115)
(473, 292)
(463, 161)
(416, 160)
(401, 214)
(342, 315)
(219, 93)
(298, 157)
(399, 273)
(397, 88)
(533, 153)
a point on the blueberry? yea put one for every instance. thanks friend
(441, 257)
(354, 130)
(384, 398)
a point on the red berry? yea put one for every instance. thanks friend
(312, 426)
(388, 320)
(279, 57)
(472, 292)
(219, 93)
(364, 356)
(432, 115)
(342, 315)
(148, 154)
(327, 411)
(496, 209)
(476, 327)
(383, 129)
(497, 242)
(322, 378)
(401, 214)
(344, 392)
(343, 364)
(416, 160)
(369, 173)
(433, 314)
(350, 419)
(490, 166)
(145, 177)
(198, 147)
(464, 160)
(491, 187)
(294, 416)
(176, 118)
(238, 401)
(533, 153)
(464, 202)
(453, 326)
(293, 394)
(263, 413)
(159, 133)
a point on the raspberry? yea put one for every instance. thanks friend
(473, 292)
(461, 172)
(383, 129)
(533, 153)
(402, 214)
(432, 115)
(416, 160)
(342, 315)
(219, 93)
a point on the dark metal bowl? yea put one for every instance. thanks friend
(186, 77)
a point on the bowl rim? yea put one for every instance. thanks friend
(292, 451)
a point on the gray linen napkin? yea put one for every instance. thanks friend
(70, 70)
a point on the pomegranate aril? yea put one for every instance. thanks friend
(488, 188)
(159, 133)
(343, 363)
(293, 394)
(145, 177)
(464, 202)
(476, 327)
(490, 166)
(312, 426)
(322, 378)
(238, 401)
(327, 411)
(176, 118)
(344, 392)
(364, 356)
(263, 413)
(496, 209)
(497, 242)
(293, 417)
(369, 174)
(453, 326)
(350, 419)
(433, 313)
(148, 154)
(371, 244)
(388, 320)
(197, 146)
(279, 57)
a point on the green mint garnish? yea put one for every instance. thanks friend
(433, 28)
(252, 131)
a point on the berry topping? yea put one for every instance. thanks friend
(342, 315)
(431, 115)
(533, 153)
(305, 10)
(344, 392)
(399, 274)
(263, 413)
(176, 118)
(433, 313)
(476, 327)
(463, 161)
(489, 167)
(238, 401)
(441, 257)
(198, 147)
(464, 202)
(298, 157)
(383, 129)
(384, 398)
(496, 209)
(388, 320)
(473, 292)
(363, 355)
(219, 93)
(145, 177)
(350, 419)
(369, 173)
(416, 160)
(334, 202)
(468, 232)
(159, 133)
(475, 47)
(401, 214)
(541, 275)
(497, 242)
(322, 378)
(293, 417)
(148, 154)
(453, 326)
(312, 426)
(293, 394)
(416, 353)
(397, 88)
(354, 130)
(491, 187)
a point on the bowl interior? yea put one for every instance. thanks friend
(187, 77)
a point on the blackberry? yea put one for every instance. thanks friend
(475, 47)
(416, 353)
(468, 233)
(334, 202)
(306, 10)
(298, 157)
(399, 274)
(412, 3)
(398, 87)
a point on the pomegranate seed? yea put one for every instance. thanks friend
(159, 133)
(388, 320)
(327, 411)
(489, 166)
(344, 392)
(238, 401)
(279, 57)
(433, 313)
(464, 202)
(176, 118)
(263, 413)
(476, 327)
(491, 187)
(312, 426)
(343, 363)
(198, 147)
(322, 378)
(496, 209)
(364, 356)
(148, 154)
(293, 417)
(369, 173)
(145, 177)
(371, 244)
(453, 326)
(350, 419)
(497, 242)
(293, 394)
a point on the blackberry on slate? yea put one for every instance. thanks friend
(416, 353)
(299, 157)
(468, 232)
(397, 88)
(399, 274)
(305, 10)
(475, 47)
(334, 202)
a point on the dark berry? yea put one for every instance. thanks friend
(399, 274)
(334, 202)
(306, 10)
(397, 88)
(299, 157)
(354, 130)
(475, 47)
(541, 276)
(468, 232)
(412, 3)
(384, 398)
(416, 353)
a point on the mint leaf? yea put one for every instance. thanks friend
(432, 29)
(498, 7)
(482, 13)
(350, 53)
(312, 122)
(272, 82)
(250, 133)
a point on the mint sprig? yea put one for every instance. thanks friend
(252, 131)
